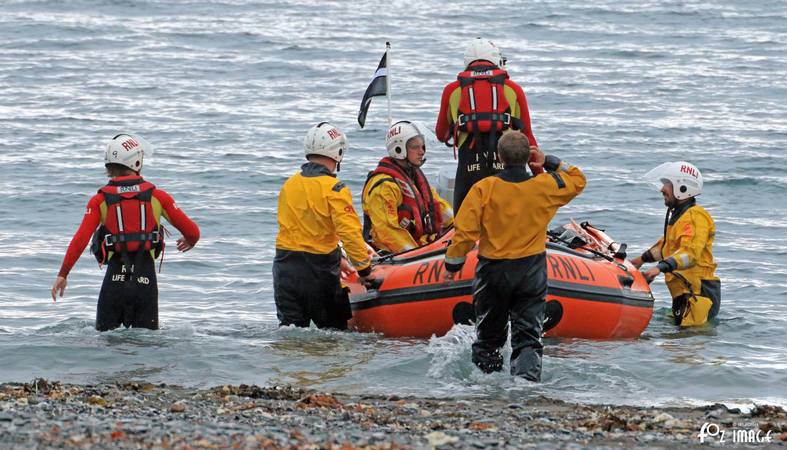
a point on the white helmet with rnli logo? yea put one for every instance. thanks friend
(484, 50)
(685, 178)
(325, 139)
(399, 134)
(128, 150)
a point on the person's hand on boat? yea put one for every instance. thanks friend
(651, 273)
(346, 268)
(371, 252)
(449, 276)
(59, 285)
(636, 262)
(451, 270)
(370, 281)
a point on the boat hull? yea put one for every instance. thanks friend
(587, 296)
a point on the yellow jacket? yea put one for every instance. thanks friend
(687, 250)
(508, 213)
(315, 212)
(381, 207)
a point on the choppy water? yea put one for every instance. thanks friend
(225, 89)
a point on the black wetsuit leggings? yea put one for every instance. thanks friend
(307, 287)
(512, 290)
(472, 166)
(132, 303)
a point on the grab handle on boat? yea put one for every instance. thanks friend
(626, 280)
(373, 284)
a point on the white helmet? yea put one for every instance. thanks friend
(481, 49)
(398, 135)
(686, 179)
(128, 150)
(325, 139)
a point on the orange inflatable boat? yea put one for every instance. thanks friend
(593, 291)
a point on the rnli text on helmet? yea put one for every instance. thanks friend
(129, 143)
(689, 170)
(394, 131)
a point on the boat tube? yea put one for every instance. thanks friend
(593, 291)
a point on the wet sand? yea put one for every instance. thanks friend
(45, 414)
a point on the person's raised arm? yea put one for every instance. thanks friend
(569, 180)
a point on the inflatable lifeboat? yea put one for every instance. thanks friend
(593, 291)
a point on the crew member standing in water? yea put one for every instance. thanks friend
(124, 218)
(315, 213)
(475, 110)
(508, 215)
(685, 252)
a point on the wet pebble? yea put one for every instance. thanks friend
(177, 407)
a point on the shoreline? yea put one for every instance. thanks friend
(46, 413)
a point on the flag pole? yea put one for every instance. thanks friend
(388, 80)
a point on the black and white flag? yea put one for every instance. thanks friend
(378, 86)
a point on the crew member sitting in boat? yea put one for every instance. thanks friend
(685, 252)
(401, 211)
(508, 214)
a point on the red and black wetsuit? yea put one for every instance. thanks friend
(133, 303)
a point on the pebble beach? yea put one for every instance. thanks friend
(49, 414)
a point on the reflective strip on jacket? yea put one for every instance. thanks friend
(316, 212)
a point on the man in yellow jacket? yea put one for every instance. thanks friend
(508, 215)
(401, 211)
(685, 252)
(315, 213)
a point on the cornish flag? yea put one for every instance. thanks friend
(376, 87)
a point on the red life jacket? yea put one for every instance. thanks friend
(130, 224)
(483, 107)
(419, 212)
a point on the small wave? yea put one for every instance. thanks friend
(71, 325)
